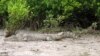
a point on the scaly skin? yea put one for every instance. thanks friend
(42, 37)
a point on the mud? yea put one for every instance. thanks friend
(86, 45)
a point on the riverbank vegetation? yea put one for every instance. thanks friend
(39, 14)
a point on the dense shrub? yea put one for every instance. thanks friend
(57, 11)
(18, 13)
(86, 13)
(3, 6)
(3, 12)
(36, 13)
(98, 14)
(50, 13)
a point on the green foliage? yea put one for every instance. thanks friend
(3, 12)
(18, 13)
(50, 13)
(58, 10)
(3, 6)
(36, 13)
(86, 13)
(98, 9)
(35, 6)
